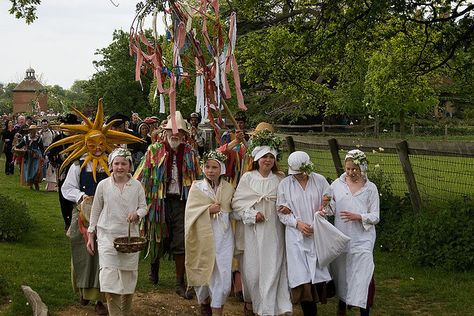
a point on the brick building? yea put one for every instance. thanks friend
(30, 95)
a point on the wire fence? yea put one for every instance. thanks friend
(441, 176)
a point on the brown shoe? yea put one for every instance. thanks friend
(183, 292)
(100, 308)
(83, 301)
(206, 310)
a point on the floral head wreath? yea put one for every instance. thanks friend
(120, 152)
(90, 136)
(265, 138)
(215, 155)
(359, 158)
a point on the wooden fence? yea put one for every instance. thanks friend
(425, 171)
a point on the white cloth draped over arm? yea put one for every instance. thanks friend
(372, 216)
(71, 186)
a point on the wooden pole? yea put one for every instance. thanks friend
(291, 144)
(334, 147)
(232, 118)
(403, 154)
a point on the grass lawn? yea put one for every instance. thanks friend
(42, 259)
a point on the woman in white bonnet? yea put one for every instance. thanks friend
(355, 201)
(300, 196)
(263, 267)
(118, 201)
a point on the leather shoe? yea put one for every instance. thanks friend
(100, 308)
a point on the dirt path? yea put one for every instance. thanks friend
(162, 303)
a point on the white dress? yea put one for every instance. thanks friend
(263, 264)
(353, 270)
(118, 271)
(221, 280)
(300, 251)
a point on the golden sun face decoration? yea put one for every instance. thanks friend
(92, 138)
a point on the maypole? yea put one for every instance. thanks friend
(214, 60)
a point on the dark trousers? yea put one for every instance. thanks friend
(9, 166)
(66, 206)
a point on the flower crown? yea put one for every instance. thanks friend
(358, 157)
(265, 138)
(213, 155)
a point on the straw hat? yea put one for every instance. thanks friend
(180, 123)
(261, 127)
(33, 127)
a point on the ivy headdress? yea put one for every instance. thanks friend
(264, 142)
(359, 158)
(217, 156)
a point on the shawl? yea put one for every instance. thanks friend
(198, 234)
(245, 199)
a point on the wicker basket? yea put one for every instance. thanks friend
(129, 244)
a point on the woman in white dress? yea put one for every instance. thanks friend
(209, 241)
(355, 201)
(263, 270)
(300, 196)
(119, 201)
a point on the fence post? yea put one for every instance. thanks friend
(403, 154)
(446, 131)
(334, 147)
(291, 143)
(323, 128)
(413, 129)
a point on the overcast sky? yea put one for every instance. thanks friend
(60, 44)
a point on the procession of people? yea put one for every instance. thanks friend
(219, 213)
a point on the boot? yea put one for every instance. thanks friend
(309, 308)
(341, 308)
(154, 275)
(206, 310)
(181, 289)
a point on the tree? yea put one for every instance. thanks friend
(114, 80)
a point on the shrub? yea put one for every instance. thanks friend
(392, 209)
(443, 237)
(14, 219)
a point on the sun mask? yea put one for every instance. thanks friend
(92, 138)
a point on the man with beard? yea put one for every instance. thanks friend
(167, 173)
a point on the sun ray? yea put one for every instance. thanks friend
(64, 141)
(99, 116)
(103, 164)
(94, 169)
(72, 147)
(84, 118)
(88, 158)
(73, 127)
(92, 138)
(72, 156)
(109, 125)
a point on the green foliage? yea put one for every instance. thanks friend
(442, 236)
(24, 9)
(392, 209)
(115, 79)
(6, 94)
(14, 219)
